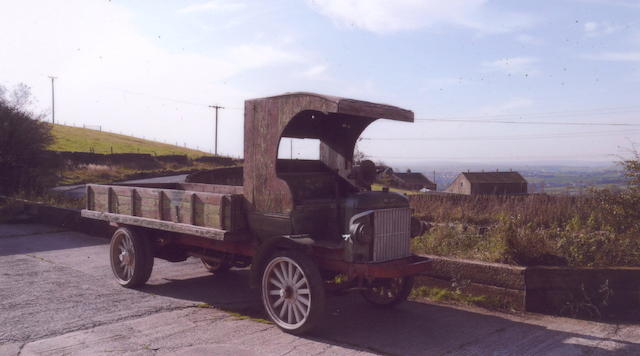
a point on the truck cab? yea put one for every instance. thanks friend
(328, 200)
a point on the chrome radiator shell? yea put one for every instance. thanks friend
(391, 229)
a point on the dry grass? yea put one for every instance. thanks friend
(103, 174)
(77, 139)
(598, 229)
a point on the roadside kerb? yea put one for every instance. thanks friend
(66, 218)
(599, 293)
(504, 284)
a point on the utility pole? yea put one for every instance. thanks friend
(53, 100)
(216, 107)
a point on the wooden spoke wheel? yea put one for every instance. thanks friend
(388, 292)
(131, 257)
(292, 292)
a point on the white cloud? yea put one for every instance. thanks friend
(616, 56)
(596, 29)
(529, 40)
(104, 64)
(382, 16)
(623, 3)
(507, 107)
(514, 65)
(315, 72)
(213, 6)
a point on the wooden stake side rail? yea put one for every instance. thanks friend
(206, 232)
(204, 209)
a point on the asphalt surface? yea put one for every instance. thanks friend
(180, 178)
(57, 297)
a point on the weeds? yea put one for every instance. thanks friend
(588, 304)
(457, 296)
(601, 228)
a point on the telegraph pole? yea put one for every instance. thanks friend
(53, 100)
(216, 107)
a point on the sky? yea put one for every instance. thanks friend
(499, 81)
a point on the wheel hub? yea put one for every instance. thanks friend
(286, 293)
(125, 257)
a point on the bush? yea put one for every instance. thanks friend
(25, 165)
(600, 228)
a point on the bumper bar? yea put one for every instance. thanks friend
(409, 266)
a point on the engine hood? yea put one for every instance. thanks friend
(363, 201)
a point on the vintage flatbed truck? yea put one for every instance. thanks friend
(306, 227)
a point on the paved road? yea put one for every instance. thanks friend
(180, 178)
(57, 297)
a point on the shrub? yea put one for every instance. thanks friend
(600, 228)
(25, 165)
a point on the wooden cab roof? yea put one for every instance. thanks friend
(340, 105)
(336, 122)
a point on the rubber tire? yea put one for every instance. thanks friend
(143, 255)
(399, 298)
(316, 287)
(219, 268)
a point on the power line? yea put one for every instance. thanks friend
(525, 119)
(581, 112)
(515, 122)
(496, 157)
(513, 137)
(179, 101)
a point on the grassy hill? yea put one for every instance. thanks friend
(77, 139)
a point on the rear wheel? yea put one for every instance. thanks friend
(131, 257)
(388, 292)
(292, 292)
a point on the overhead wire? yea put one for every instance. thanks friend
(516, 157)
(511, 137)
(516, 122)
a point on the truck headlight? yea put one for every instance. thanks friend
(363, 233)
(361, 227)
(417, 227)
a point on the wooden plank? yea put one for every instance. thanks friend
(212, 188)
(211, 215)
(133, 202)
(210, 233)
(179, 206)
(91, 199)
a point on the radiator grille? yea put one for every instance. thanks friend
(391, 234)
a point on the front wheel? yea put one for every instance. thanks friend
(388, 292)
(131, 257)
(293, 292)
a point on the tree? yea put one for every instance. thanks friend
(632, 170)
(25, 164)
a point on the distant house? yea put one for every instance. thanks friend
(475, 183)
(409, 180)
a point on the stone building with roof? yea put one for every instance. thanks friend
(497, 183)
(408, 180)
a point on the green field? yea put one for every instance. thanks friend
(77, 139)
